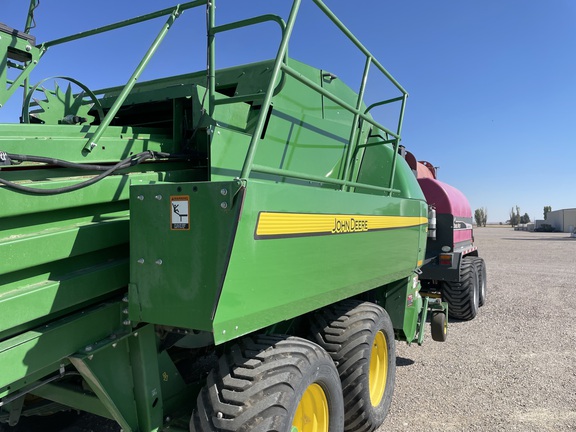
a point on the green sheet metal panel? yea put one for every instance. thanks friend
(180, 237)
(66, 250)
(227, 152)
(296, 248)
(29, 352)
(294, 141)
(330, 109)
(375, 167)
(298, 264)
(403, 303)
(67, 141)
(303, 143)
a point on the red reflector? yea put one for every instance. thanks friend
(446, 259)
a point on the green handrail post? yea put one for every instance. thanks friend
(356, 42)
(93, 141)
(247, 167)
(30, 24)
(355, 126)
(343, 28)
(397, 143)
(211, 66)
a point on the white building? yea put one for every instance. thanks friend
(562, 220)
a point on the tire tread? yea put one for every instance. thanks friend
(460, 295)
(343, 332)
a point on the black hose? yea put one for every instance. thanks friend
(88, 167)
(107, 170)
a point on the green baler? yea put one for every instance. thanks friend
(233, 249)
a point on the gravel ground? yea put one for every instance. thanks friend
(513, 368)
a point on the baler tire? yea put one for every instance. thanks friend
(271, 383)
(463, 296)
(439, 326)
(360, 339)
(481, 269)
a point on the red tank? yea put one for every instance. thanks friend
(452, 268)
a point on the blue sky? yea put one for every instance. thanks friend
(492, 83)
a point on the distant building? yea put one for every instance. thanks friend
(562, 220)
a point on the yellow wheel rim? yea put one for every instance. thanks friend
(312, 411)
(378, 369)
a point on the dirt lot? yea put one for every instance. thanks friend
(513, 368)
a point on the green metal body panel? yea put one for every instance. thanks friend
(48, 345)
(404, 305)
(286, 277)
(177, 269)
(218, 203)
(210, 276)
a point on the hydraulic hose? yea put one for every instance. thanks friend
(106, 170)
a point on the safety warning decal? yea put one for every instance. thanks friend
(179, 212)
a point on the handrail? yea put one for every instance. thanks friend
(93, 141)
(354, 130)
(319, 179)
(327, 94)
(233, 26)
(213, 30)
(384, 102)
(356, 42)
(281, 65)
(251, 21)
(125, 23)
(173, 12)
(282, 49)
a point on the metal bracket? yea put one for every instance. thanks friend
(16, 410)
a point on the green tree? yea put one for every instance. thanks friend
(511, 220)
(479, 216)
(525, 219)
(516, 219)
(514, 216)
(547, 209)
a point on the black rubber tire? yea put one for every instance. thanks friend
(347, 331)
(482, 280)
(438, 326)
(258, 383)
(463, 296)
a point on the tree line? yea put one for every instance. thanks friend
(516, 219)
(481, 216)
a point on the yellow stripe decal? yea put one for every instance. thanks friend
(272, 224)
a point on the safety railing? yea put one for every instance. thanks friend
(280, 66)
(172, 12)
(213, 30)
